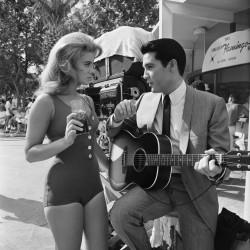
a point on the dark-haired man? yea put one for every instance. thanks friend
(198, 124)
(235, 110)
(198, 85)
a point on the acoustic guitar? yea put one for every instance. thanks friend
(146, 161)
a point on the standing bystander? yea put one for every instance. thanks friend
(9, 113)
(198, 84)
(29, 104)
(2, 113)
(235, 110)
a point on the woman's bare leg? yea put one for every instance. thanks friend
(66, 223)
(96, 224)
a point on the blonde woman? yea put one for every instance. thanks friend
(74, 203)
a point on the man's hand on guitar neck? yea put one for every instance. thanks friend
(124, 109)
(209, 167)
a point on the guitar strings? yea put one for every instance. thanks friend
(187, 156)
(148, 159)
(170, 163)
(140, 162)
(151, 159)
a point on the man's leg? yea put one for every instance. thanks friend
(12, 122)
(135, 208)
(18, 129)
(7, 119)
(194, 232)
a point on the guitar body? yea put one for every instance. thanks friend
(146, 161)
(128, 163)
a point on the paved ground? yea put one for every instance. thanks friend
(22, 222)
(231, 193)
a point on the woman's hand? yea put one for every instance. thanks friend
(72, 126)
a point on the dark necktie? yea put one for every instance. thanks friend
(166, 116)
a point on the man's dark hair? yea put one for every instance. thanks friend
(198, 85)
(235, 98)
(165, 50)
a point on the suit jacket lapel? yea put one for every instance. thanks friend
(147, 110)
(186, 119)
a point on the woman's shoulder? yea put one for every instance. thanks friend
(43, 105)
(44, 100)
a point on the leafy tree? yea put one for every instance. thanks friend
(99, 16)
(54, 13)
(20, 36)
(29, 29)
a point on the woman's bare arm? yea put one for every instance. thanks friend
(38, 123)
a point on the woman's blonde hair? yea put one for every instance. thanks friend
(63, 56)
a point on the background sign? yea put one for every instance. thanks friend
(232, 49)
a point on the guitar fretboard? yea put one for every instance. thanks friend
(178, 160)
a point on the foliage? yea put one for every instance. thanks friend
(99, 16)
(20, 36)
(54, 14)
(29, 29)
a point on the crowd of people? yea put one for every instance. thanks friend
(14, 119)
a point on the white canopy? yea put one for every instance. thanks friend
(125, 41)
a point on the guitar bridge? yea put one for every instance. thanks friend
(124, 160)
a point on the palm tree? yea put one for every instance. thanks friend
(54, 14)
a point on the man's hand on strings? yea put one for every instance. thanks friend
(208, 166)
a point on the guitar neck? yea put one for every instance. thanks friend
(178, 160)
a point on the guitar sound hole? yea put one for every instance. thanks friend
(140, 160)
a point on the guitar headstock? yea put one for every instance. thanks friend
(237, 160)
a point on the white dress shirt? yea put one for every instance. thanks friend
(177, 100)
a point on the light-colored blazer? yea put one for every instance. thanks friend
(204, 126)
